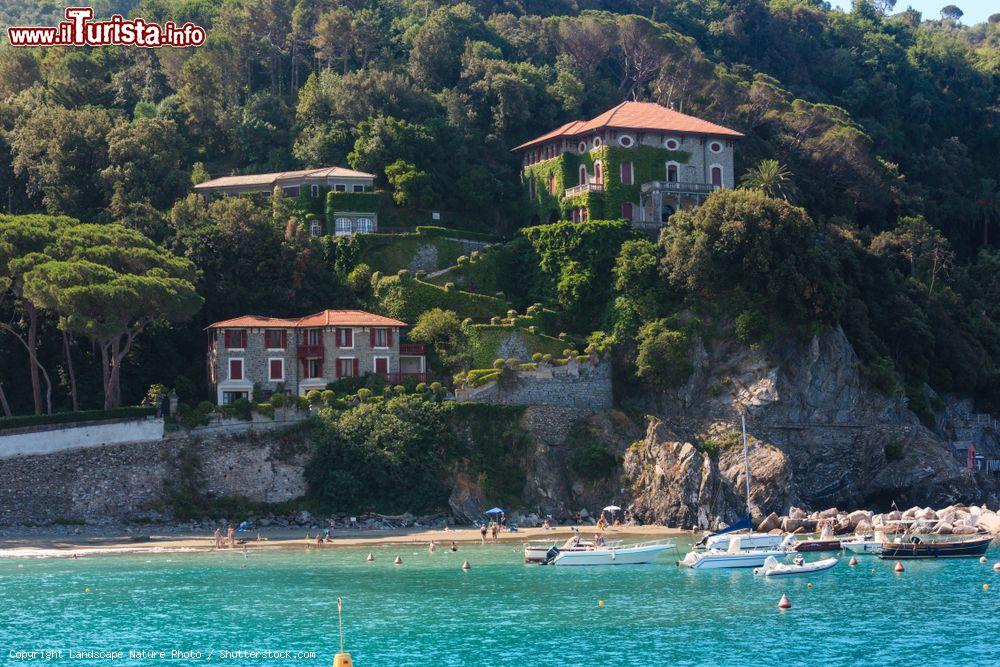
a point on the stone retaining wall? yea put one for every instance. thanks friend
(63, 437)
(129, 481)
(579, 385)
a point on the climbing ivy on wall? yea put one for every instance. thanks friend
(648, 164)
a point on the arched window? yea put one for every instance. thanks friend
(626, 173)
(716, 173)
(342, 227)
(583, 175)
(672, 172)
(364, 225)
(598, 173)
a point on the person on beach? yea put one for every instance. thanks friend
(218, 538)
(230, 536)
(494, 529)
(482, 532)
(319, 538)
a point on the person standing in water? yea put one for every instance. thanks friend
(454, 547)
(482, 532)
(495, 529)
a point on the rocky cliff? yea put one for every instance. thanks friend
(821, 436)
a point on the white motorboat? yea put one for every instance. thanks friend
(747, 542)
(865, 544)
(772, 568)
(734, 557)
(538, 552)
(633, 554)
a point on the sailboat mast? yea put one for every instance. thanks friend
(746, 458)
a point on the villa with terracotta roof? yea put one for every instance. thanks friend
(306, 353)
(639, 160)
(343, 200)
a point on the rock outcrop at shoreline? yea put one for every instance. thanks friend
(820, 436)
(951, 520)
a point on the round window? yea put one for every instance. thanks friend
(715, 147)
(625, 141)
(672, 144)
(597, 142)
(582, 147)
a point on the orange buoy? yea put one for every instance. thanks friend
(853, 561)
(899, 567)
(398, 561)
(371, 557)
(784, 602)
(342, 660)
(465, 565)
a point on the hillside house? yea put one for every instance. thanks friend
(342, 200)
(639, 161)
(307, 353)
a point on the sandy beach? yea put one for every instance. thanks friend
(49, 542)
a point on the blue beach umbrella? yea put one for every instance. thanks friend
(495, 510)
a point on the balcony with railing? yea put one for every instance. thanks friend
(306, 350)
(411, 349)
(585, 187)
(680, 187)
(399, 378)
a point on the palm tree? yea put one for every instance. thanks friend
(770, 177)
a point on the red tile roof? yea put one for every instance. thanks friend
(637, 116)
(324, 318)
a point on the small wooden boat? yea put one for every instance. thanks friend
(772, 568)
(817, 545)
(916, 548)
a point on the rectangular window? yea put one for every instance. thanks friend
(235, 369)
(276, 369)
(291, 192)
(359, 188)
(381, 339)
(314, 189)
(340, 187)
(345, 337)
(230, 397)
(345, 367)
(627, 211)
(235, 339)
(275, 339)
(313, 368)
(314, 337)
(342, 227)
(626, 173)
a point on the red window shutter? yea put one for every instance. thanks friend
(349, 337)
(235, 369)
(355, 369)
(388, 337)
(284, 339)
(225, 339)
(276, 373)
(372, 331)
(627, 211)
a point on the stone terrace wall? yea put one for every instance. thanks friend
(576, 385)
(127, 482)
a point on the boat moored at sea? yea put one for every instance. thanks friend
(917, 548)
(537, 552)
(734, 557)
(772, 568)
(632, 554)
(865, 545)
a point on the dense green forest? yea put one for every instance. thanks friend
(882, 212)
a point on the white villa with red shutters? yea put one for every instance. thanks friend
(307, 353)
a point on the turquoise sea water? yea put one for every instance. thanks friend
(501, 612)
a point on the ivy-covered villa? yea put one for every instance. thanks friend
(639, 161)
(342, 201)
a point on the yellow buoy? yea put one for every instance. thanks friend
(899, 567)
(87, 589)
(342, 660)
(809, 585)
(784, 602)
(600, 603)
(398, 561)
(853, 561)
(986, 587)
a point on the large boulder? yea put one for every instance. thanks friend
(964, 530)
(990, 521)
(797, 513)
(944, 528)
(770, 522)
(828, 513)
(926, 514)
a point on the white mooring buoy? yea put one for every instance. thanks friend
(784, 602)
(853, 561)
(465, 565)
(398, 561)
(371, 557)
